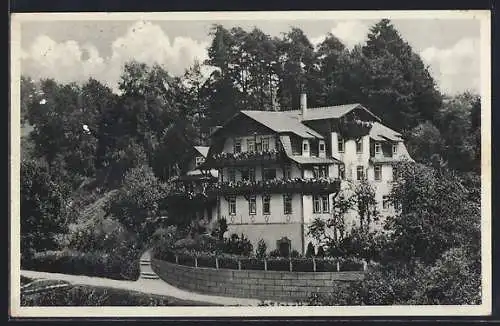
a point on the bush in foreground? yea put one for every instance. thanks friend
(89, 264)
(82, 295)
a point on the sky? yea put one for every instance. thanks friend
(77, 50)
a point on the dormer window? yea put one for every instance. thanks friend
(378, 148)
(265, 144)
(237, 146)
(359, 146)
(199, 160)
(321, 146)
(394, 149)
(250, 145)
(340, 144)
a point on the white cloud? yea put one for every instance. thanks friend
(350, 32)
(143, 41)
(456, 68)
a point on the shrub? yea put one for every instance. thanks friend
(252, 264)
(393, 284)
(208, 243)
(275, 253)
(310, 250)
(220, 227)
(453, 279)
(186, 243)
(164, 237)
(321, 252)
(302, 265)
(350, 264)
(186, 259)
(278, 264)
(206, 261)
(326, 265)
(90, 264)
(261, 249)
(294, 254)
(164, 254)
(238, 246)
(228, 262)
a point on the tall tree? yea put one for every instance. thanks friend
(400, 88)
(297, 74)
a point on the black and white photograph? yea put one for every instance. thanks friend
(250, 164)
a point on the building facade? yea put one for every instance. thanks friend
(278, 171)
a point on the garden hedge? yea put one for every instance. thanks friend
(89, 264)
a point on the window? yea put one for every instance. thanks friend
(258, 146)
(321, 146)
(266, 205)
(316, 204)
(232, 205)
(325, 204)
(232, 175)
(265, 144)
(340, 144)
(394, 173)
(269, 174)
(252, 205)
(378, 148)
(287, 172)
(320, 171)
(305, 146)
(250, 145)
(248, 174)
(199, 160)
(385, 202)
(360, 173)
(321, 204)
(378, 172)
(237, 145)
(287, 204)
(359, 146)
(394, 149)
(342, 171)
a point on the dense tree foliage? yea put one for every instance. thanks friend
(43, 208)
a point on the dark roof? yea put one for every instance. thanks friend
(331, 112)
(281, 123)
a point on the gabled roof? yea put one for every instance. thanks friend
(382, 133)
(203, 150)
(331, 112)
(282, 123)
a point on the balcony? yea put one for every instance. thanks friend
(296, 185)
(180, 192)
(244, 158)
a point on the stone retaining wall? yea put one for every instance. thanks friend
(266, 285)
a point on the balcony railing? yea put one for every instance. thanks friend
(244, 158)
(296, 185)
(180, 191)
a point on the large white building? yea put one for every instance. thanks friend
(277, 171)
